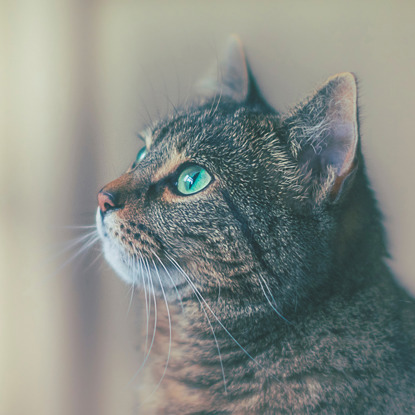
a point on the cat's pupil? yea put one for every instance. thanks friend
(192, 179)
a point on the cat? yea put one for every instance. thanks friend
(260, 249)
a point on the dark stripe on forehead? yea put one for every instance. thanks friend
(170, 127)
(160, 136)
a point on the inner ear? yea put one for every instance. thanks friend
(342, 114)
(324, 134)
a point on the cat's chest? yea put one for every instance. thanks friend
(190, 371)
(202, 369)
(174, 378)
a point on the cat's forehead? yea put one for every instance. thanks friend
(200, 129)
(185, 130)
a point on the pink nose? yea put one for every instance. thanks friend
(106, 201)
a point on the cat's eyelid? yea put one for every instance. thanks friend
(188, 163)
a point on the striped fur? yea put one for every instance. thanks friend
(267, 292)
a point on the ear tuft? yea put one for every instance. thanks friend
(323, 134)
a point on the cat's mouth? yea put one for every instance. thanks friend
(130, 248)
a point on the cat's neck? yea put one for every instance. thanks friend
(217, 341)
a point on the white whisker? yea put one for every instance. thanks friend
(273, 299)
(93, 238)
(79, 227)
(155, 323)
(94, 261)
(146, 300)
(171, 279)
(169, 319)
(131, 297)
(174, 262)
(73, 242)
(207, 317)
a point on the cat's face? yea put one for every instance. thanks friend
(229, 190)
(172, 201)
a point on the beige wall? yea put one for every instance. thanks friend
(77, 79)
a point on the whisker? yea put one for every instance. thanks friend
(133, 284)
(217, 105)
(166, 96)
(94, 261)
(146, 300)
(213, 111)
(92, 240)
(268, 300)
(149, 286)
(131, 297)
(171, 279)
(174, 262)
(78, 227)
(72, 243)
(208, 319)
(87, 245)
(169, 318)
(155, 324)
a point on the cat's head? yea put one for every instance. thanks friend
(233, 193)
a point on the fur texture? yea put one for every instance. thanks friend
(279, 298)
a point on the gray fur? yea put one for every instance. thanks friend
(299, 258)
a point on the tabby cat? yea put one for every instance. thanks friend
(258, 246)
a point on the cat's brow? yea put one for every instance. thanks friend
(175, 160)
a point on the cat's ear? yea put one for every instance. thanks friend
(323, 136)
(230, 77)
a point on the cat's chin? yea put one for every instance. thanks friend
(117, 259)
(114, 254)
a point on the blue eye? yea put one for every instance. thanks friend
(141, 154)
(193, 179)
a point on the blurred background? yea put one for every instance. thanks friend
(78, 80)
